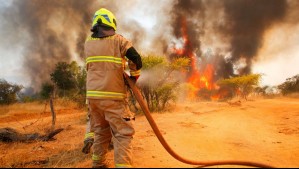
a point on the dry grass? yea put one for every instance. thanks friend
(65, 151)
(3, 110)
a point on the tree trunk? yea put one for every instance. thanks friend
(53, 114)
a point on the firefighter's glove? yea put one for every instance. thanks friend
(87, 145)
(133, 78)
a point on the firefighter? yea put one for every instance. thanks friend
(106, 53)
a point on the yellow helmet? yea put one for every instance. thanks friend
(107, 18)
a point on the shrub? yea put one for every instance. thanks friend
(160, 80)
(8, 92)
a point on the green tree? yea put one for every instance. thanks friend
(8, 92)
(79, 94)
(70, 81)
(79, 73)
(63, 77)
(242, 85)
(46, 91)
(291, 85)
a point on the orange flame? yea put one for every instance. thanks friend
(199, 78)
(202, 79)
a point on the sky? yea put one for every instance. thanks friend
(278, 58)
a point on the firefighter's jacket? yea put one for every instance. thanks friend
(105, 59)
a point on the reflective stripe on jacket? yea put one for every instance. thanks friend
(105, 58)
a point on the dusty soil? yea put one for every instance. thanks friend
(260, 130)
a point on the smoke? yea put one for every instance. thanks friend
(49, 31)
(187, 23)
(234, 27)
(54, 31)
(146, 24)
(137, 32)
(247, 22)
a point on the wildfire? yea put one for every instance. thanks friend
(200, 77)
(201, 80)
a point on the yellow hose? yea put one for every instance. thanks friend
(156, 130)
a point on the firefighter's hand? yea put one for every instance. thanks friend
(133, 78)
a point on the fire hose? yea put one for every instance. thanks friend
(160, 137)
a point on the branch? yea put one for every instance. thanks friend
(11, 135)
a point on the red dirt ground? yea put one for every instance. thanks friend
(261, 130)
